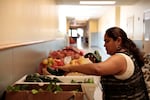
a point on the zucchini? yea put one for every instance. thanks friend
(91, 56)
(52, 71)
(98, 56)
(33, 79)
(45, 78)
(94, 57)
(56, 72)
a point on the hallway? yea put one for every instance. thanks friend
(83, 46)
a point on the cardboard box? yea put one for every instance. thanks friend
(68, 93)
(87, 88)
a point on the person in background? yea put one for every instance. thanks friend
(121, 74)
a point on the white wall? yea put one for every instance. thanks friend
(23, 22)
(105, 22)
(19, 61)
(136, 11)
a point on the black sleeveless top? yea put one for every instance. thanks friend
(133, 88)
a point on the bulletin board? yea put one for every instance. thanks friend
(146, 37)
(147, 25)
(130, 27)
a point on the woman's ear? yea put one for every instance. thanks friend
(119, 40)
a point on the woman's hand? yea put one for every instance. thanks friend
(64, 68)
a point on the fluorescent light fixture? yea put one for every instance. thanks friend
(97, 2)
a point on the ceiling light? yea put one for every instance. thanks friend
(97, 2)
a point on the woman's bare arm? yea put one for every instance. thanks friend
(114, 65)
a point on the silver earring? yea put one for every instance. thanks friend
(119, 48)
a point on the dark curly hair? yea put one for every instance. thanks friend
(127, 43)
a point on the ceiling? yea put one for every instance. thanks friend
(76, 2)
(72, 8)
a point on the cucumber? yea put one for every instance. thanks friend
(52, 71)
(56, 72)
(98, 56)
(94, 57)
(33, 79)
(45, 78)
(91, 56)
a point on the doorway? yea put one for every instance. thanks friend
(77, 33)
(77, 38)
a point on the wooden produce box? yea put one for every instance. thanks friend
(68, 92)
(88, 87)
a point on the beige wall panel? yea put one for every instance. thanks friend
(93, 25)
(27, 20)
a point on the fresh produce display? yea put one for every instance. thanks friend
(51, 87)
(81, 60)
(56, 72)
(67, 56)
(57, 58)
(40, 78)
(50, 91)
(16, 88)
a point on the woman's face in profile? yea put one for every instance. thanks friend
(110, 45)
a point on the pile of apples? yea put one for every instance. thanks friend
(67, 51)
(56, 58)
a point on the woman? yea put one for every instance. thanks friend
(121, 75)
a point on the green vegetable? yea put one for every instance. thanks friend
(13, 88)
(58, 88)
(90, 81)
(73, 81)
(57, 72)
(45, 78)
(52, 71)
(98, 56)
(33, 78)
(34, 91)
(52, 87)
(93, 57)
(40, 78)
(56, 80)
(49, 87)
